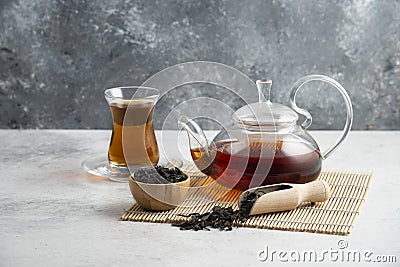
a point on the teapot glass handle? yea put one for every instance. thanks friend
(349, 118)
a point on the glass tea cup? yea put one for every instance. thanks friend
(133, 142)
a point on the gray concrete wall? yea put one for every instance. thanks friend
(56, 57)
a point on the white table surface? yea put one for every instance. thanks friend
(54, 214)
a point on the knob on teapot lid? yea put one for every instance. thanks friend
(264, 112)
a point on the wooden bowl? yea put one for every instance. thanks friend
(159, 196)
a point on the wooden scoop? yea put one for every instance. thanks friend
(281, 197)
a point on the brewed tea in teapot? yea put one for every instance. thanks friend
(266, 146)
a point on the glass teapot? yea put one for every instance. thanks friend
(266, 145)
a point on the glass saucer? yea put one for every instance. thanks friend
(101, 167)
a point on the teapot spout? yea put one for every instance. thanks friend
(202, 151)
(196, 135)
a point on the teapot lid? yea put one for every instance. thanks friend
(265, 112)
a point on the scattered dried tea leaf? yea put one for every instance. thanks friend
(220, 218)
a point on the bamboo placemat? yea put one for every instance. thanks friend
(335, 216)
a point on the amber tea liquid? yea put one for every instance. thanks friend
(291, 162)
(139, 145)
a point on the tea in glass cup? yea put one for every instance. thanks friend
(133, 142)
